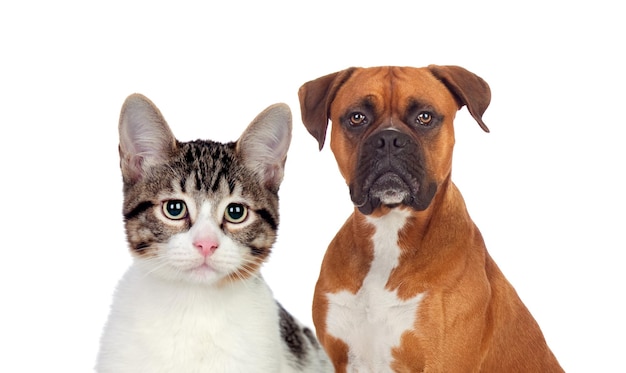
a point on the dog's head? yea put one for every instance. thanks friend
(392, 132)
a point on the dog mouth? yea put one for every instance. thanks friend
(391, 172)
(388, 188)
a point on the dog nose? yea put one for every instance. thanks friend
(390, 140)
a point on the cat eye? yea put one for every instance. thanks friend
(236, 213)
(175, 209)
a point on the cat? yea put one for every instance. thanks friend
(201, 218)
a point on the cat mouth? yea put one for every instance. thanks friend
(209, 271)
(204, 274)
(203, 268)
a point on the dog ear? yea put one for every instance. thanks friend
(315, 99)
(468, 88)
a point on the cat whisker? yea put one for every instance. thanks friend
(160, 263)
(247, 269)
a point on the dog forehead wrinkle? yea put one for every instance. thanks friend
(413, 103)
(392, 77)
(368, 103)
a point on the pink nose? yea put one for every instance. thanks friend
(206, 247)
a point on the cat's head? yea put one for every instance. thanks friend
(201, 211)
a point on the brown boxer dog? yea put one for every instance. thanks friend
(407, 284)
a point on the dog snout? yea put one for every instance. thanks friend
(389, 141)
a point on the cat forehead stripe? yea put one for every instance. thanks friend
(208, 163)
(265, 215)
(140, 208)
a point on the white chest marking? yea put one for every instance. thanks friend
(372, 321)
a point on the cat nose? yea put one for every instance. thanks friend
(206, 247)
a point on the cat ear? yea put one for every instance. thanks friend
(145, 138)
(264, 144)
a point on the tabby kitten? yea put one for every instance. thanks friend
(201, 218)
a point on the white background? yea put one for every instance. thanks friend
(546, 186)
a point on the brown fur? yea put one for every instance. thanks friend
(471, 319)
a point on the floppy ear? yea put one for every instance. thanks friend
(263, 145)
(145, 138)
(315, 99)
(468, 88)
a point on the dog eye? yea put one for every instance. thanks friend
(424, 118)
(236, 213)
(175, 209)
(358, 119)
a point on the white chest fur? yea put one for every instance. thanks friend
(372, 321)
(160, 326)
